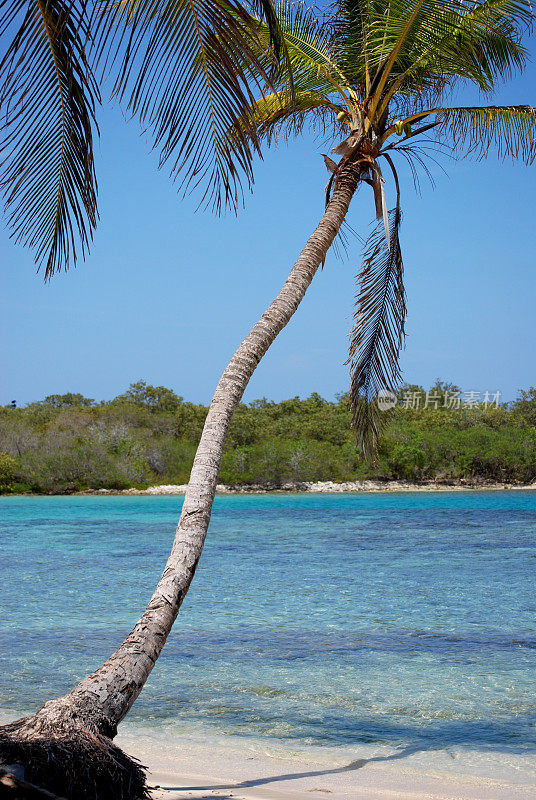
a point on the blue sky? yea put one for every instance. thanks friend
(167, 293)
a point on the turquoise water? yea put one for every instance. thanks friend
(404, 619)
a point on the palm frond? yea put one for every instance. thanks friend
(420, 48)
(477, 41)
(393, 30)
(377, 336)
(309, 43)
(285, 114)
(310, 50)
(342, 243)
(307, 95)
(189, 70)
(418, 158)
(350, 26)
(265, 10)
(510, 130)
(47, 122)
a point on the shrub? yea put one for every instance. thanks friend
(8, 472)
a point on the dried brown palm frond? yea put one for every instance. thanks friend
(377, 336)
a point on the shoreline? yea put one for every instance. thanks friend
(331, 487)
(198, 764)
(305, 487)
(185, 768)
(186, 763)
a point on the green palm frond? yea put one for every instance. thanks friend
(306, 36)
(310, 50)
(424, 46)
(510, 130)
(378, 333)
(47, 105)
(478, 42)
(188, 70)
(266, 11)
(395, 29)
(315, 90)
(350, 27)
(285, 114)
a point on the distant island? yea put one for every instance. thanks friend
(146, 437)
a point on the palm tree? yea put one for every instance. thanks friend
(375, 76)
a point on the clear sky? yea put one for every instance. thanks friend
(167, 293)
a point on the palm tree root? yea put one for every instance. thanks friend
(40, 759)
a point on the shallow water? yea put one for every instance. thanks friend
(404, 619)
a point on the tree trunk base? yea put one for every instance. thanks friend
(67, 761)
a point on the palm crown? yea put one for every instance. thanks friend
(379, 73)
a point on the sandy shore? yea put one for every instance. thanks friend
(307, 487)
(327, 487)
(196, 765)
(237, 768)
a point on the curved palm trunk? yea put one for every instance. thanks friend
(102, 700)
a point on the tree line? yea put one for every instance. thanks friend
(148, 435)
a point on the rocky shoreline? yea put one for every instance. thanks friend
(327, 487)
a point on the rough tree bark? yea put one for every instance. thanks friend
(66, 746)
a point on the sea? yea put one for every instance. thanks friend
(401, 619)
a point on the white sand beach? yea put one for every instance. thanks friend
(194, 767)
(328, 487)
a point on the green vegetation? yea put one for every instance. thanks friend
(148, 435)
